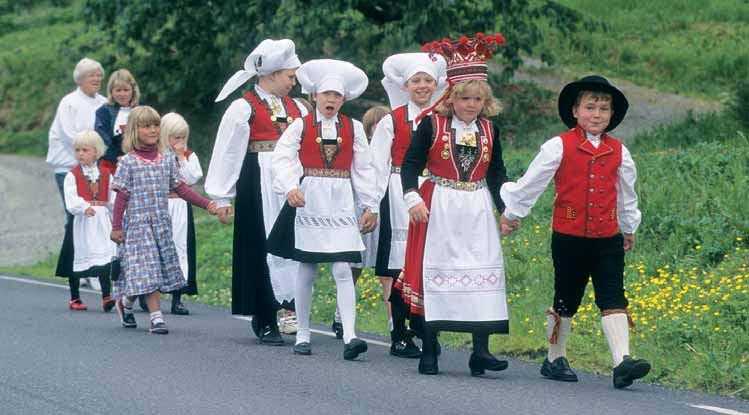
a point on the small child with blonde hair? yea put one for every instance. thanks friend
(88, 198)
(141, 222)
(175, 131)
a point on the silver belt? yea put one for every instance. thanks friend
(397, 169)
(457, 184)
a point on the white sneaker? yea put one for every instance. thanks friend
(288, 324)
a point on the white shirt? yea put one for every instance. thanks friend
(230, 148)
(519, 197)
(77, 205)
(75, 113)
(121, 120)
(382, 144)
(287, 168)
(190, 169)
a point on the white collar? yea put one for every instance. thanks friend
(263, 94)
(413, 111)
(86, 97)
(321, 117)
(91, 172)
(460, 124)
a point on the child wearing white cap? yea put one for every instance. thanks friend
(241, 168)
(318, 164)
(411, 80)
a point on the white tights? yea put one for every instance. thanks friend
(345, 296)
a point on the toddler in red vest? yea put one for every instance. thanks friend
(594, 220)
(88, 198)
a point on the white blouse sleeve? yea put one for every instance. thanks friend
(190, 169)
(68, 113)
(229, 151)
(286, 167)
(519, 197)
(75, 204)
(628, 214)
(363, 177)
(381, 146)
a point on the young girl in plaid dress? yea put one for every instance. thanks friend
(141, 222)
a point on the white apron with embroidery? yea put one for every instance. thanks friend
(327, 223)
(463, 271)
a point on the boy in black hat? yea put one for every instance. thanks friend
(594, 220)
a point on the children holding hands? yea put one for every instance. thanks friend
(594, 221)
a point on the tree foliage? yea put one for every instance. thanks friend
(185, 49)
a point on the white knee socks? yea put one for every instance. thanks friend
(616, 329)
(560, 348)
(346, 298)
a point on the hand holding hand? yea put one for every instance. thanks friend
(629, 241)
(117, 237)
(507, 226)
(223, 214)
(368, 222)
(419, 213)
(211, 207)
(295, 198)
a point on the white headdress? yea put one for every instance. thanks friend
(323, 75)
(398, 69)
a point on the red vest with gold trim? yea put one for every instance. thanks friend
(262, 126)
(402, 135)
(312, 151)
(586, 186)
(442, 161)
(92, 191)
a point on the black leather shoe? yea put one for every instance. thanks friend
(354, 348)
(180, 309)
(559, 369)
(428, 365)
(271, 336)
(303, 349)
(629, 370)
(337, 329)
(480, 362)
(405, 348)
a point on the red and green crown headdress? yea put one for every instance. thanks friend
(466, 59)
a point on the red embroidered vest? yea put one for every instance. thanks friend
(312, 152)
(442, 160)
(92, 191)
(265, 127)
(402, 135)
(586, 186)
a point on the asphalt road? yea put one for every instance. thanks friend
(56, 361)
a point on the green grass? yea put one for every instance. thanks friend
(692, 46)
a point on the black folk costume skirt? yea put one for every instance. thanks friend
(252, 291)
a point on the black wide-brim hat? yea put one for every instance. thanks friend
(596, 83)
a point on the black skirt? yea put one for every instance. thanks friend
(67, 252)
(281, 242)
(252, 292)
(383, 243)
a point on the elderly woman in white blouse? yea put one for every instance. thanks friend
(75, 113)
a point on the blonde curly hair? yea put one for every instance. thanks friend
(492, 106)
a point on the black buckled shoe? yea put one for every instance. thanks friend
(405, 348)
(629, 370)
(354, 348)
(479, 362)
(337, 328)
(303, 349)
(271, 336)
(559, 369)
(180, 309)
(428, 365)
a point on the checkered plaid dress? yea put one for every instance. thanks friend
(148, 257)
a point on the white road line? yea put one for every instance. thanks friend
(719, 410)
(51, 284)
(46, 284)
(324, 333)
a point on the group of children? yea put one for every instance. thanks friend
(312, 185)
